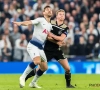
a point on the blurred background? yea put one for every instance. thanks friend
(81, 45)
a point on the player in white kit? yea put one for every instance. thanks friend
(35, 47)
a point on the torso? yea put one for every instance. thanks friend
(50, 46)
(41, 30)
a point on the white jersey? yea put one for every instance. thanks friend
(41, 29)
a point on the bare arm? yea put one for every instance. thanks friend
(60, 43)
(24, 23)
(59, 38)
(51, 39)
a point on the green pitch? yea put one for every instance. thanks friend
(51, 82)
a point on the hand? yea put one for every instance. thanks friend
(50, 34)
(60, 43)
(17, 23)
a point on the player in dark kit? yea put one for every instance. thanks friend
(52, 46)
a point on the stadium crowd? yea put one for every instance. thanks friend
(82, 18)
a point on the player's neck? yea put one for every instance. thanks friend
(59, 22)
(47, 19)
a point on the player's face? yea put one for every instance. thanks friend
(48, 12)
(61, 16)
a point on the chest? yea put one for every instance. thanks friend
(57, 31)
(46, 26)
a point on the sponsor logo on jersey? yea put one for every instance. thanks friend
(45, 31)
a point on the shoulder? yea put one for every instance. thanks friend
(53, 22)
(64, 26)
(39, 18)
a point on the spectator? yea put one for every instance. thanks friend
(84, 34)
(6, 53)
(15, 34)
(96, 51)
(25, 27)
(4, 41)
(97, 7)
(91, 12)
(48, 2)
(92, 21)
(9, 38)
(91, 4)
(28, 32)
(72, 6)
(66, 46)
(6, 24)
(15, 18)
(29, 12)
(12, 10)
(16, 4)
(92, 31)
(20, 48)
(89, 47)
(22, 17)
(74, 14)
(71, 19)
(4, 44)
(1, 6)
(68, 15)
(26, 4)
(81, 47)
(67, 7)
(71, 26)
(38, 6)
(2, 18)
(98, 30)
(56, 7)
(96, 18)
(36, 15)
(61, 4)
(85, 21)
(77, 35)
(84, 7)
(72, 47)
(7, 14)
(79, 14)
(20, 4)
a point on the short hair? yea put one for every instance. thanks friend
(60, 10)
(46, 7)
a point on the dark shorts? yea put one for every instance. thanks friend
(56, 54)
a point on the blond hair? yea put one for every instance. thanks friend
(60, 10)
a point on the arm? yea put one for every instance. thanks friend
(51, 39)
(26, 23)
(59, 38)
(60, 43)
(62, 36)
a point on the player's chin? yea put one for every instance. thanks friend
(50, 15)
(61, 19)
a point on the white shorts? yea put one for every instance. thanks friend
(35, 51)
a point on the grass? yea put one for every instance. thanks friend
(51, 82)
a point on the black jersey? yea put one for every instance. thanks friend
(57, 30)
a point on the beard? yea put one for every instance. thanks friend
(49, 16)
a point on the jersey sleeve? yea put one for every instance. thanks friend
(65, 31)
(36, 21)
